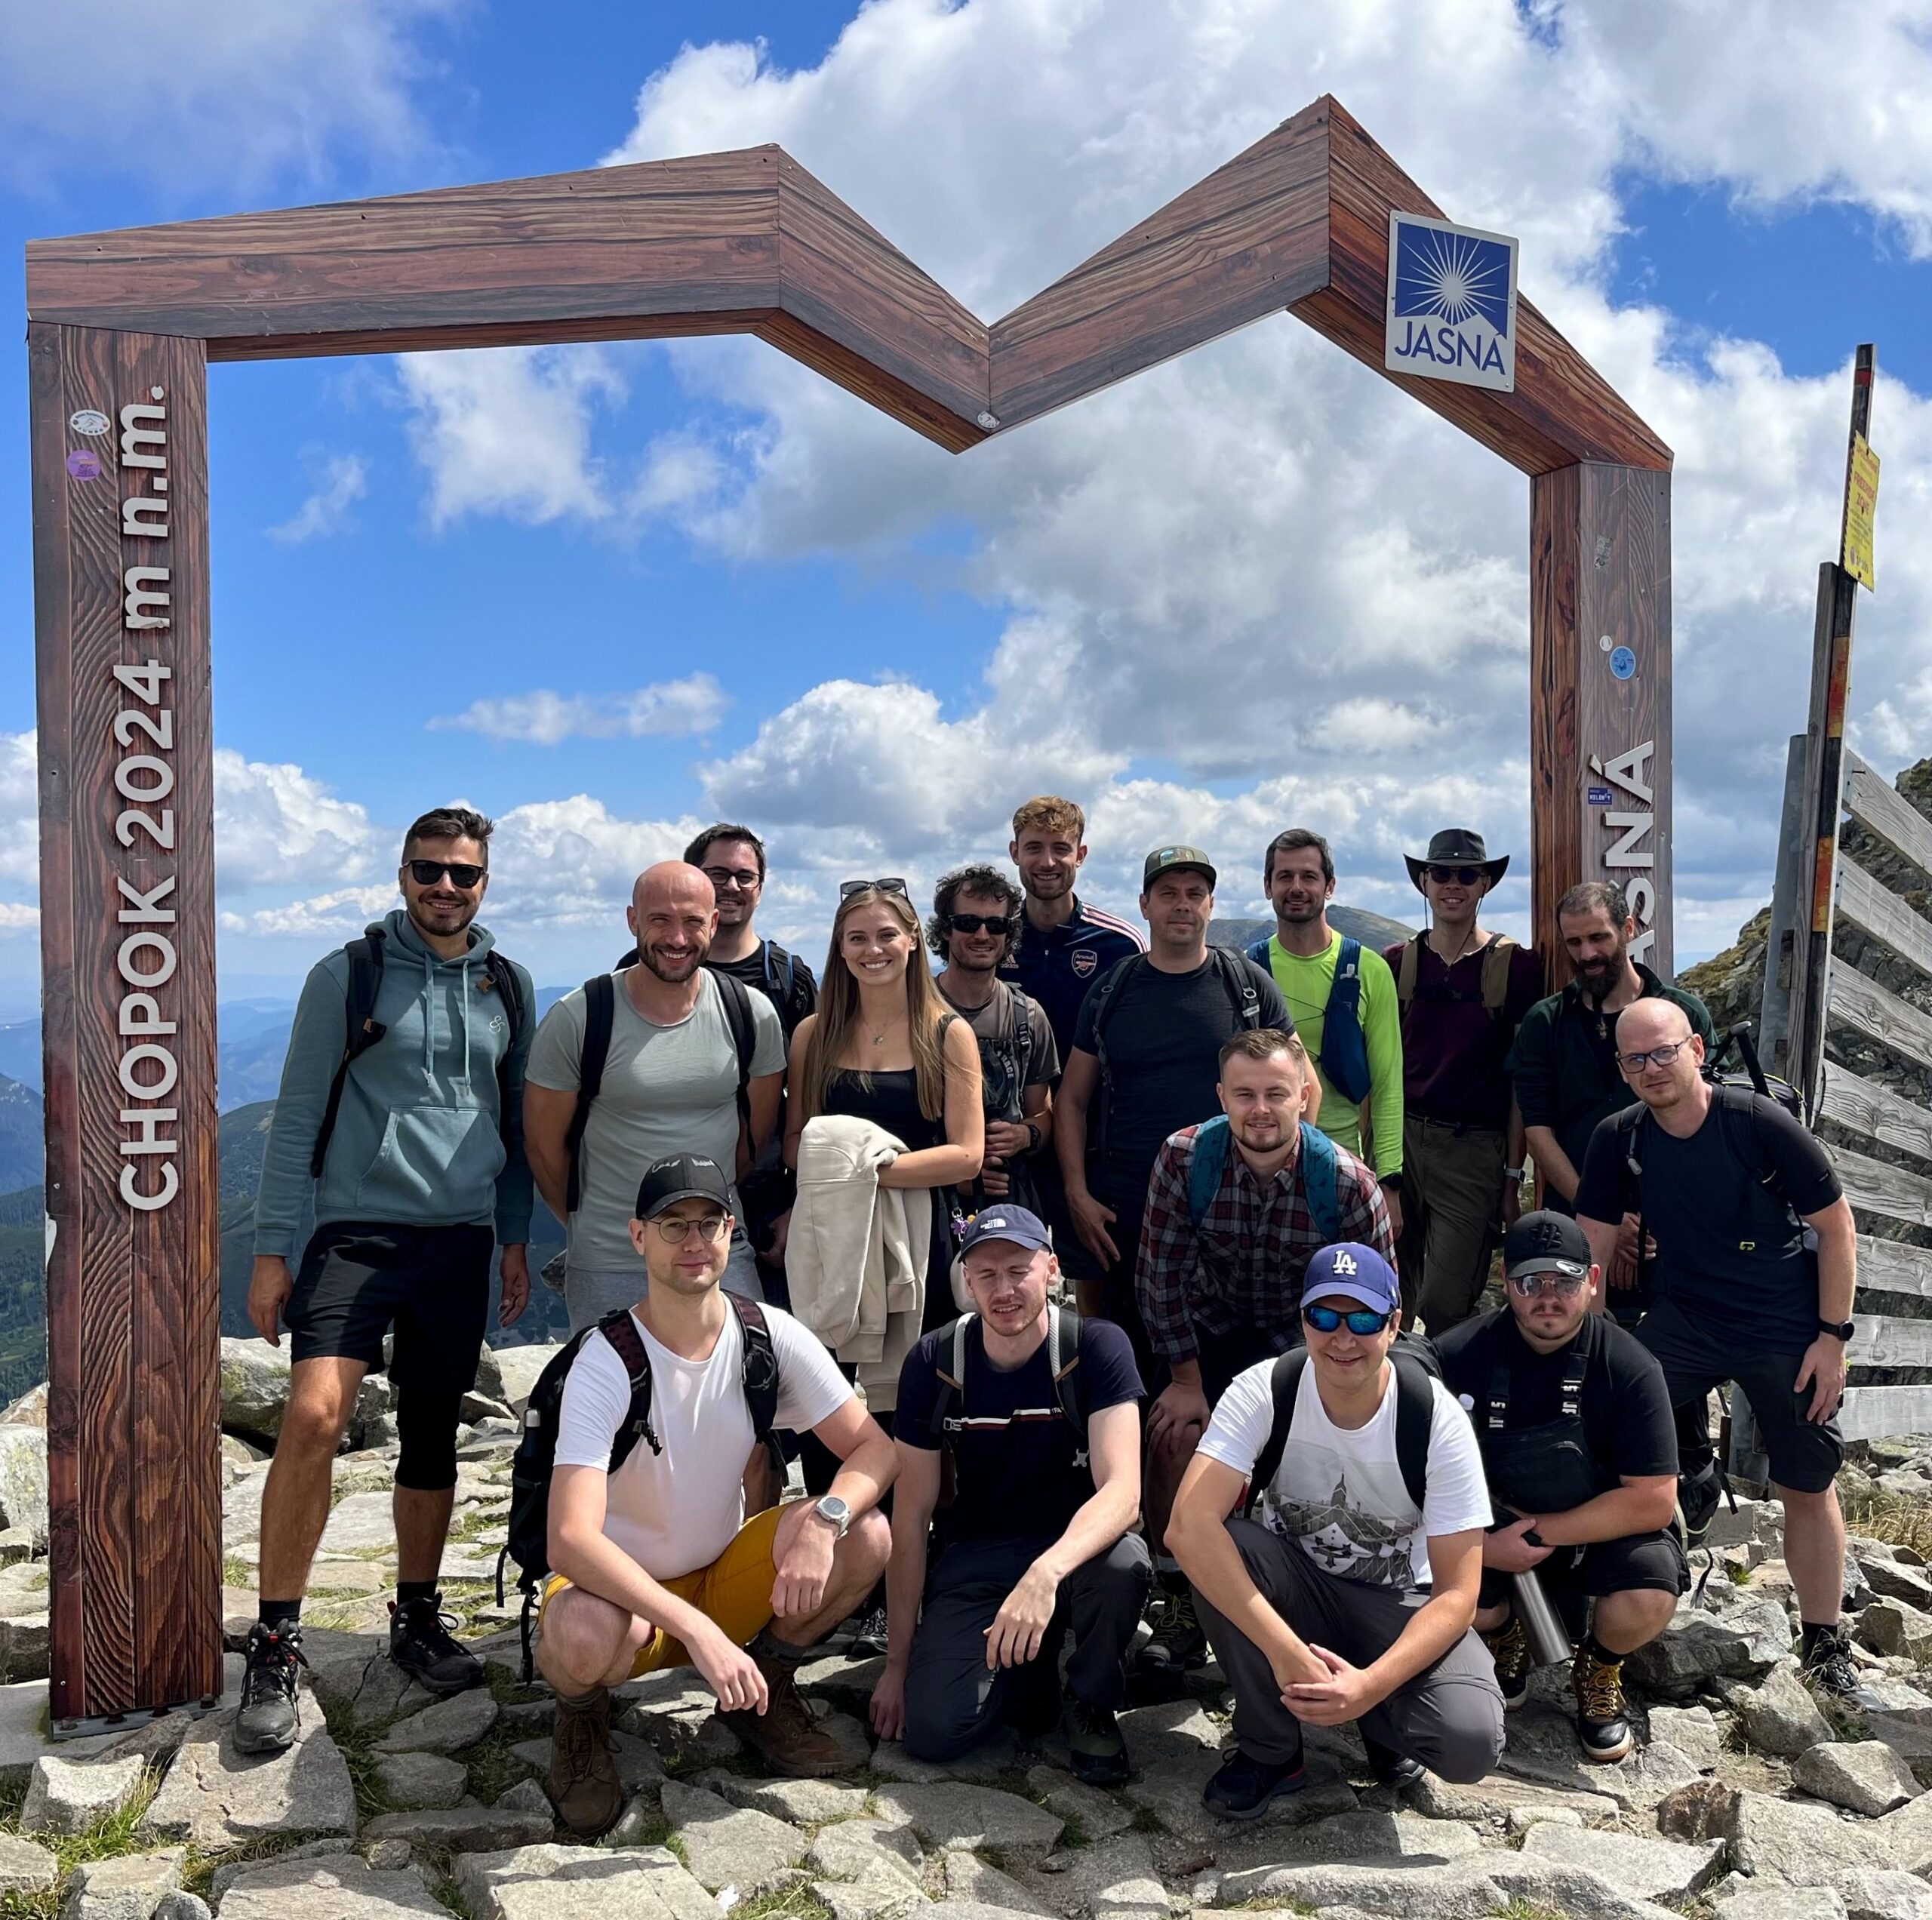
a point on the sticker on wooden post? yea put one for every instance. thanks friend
(1856, 555)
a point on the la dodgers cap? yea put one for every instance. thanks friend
(1356, 1273)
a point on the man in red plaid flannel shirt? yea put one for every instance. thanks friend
(1218, 1297)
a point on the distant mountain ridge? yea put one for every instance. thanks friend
(1375, 930)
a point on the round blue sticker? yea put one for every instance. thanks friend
(1623, 663)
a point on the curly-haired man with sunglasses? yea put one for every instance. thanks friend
(398, 1119)
(1580, 1450)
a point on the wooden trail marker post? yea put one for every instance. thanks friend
(741, 242)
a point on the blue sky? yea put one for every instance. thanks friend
(877, 649)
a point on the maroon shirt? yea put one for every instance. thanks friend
(1454, 1050)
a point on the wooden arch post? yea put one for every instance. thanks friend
(122, 325)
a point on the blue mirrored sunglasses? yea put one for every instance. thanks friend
(1361, 1320)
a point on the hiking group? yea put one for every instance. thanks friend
(1093, 1301)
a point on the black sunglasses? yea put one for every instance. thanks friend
(979, 923)
(1461, 876)
(426, 873)
(846, 889)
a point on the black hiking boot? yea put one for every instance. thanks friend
(1509, 1646)
(421, 1644)
(1828, 1664)
(1179, 1642)
(269, 1718)
(1244, 1788)
(1095, 1746)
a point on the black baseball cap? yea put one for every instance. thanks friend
(1546, 1242)
(680, 1177)
(1164, 860)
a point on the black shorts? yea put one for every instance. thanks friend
(1224, 1355)
(1637, 1563)
(432, 1283)
(1804, 1456)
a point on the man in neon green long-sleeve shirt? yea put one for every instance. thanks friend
(1299, 872)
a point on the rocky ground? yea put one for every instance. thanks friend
(1747, 1798)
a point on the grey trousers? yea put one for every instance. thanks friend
(1450, 1717)
(953, 1698)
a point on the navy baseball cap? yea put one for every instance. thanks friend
(680, 1177)
(1356, 1273)
(999, 1223)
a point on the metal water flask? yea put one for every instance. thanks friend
(1547, 1640)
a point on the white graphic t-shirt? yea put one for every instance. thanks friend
(1340, 1494)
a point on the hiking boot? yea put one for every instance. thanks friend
(1179, 1641)
(1390, 1769)
(269, 1717)
(1828, 1666)
(1034, 1709)
(584, 1786)
(1697, 1495)
(785, 1736)
(420, 1643)
(1509, 1646)
(868, 1637)
(1603, 1725)
(1097, 1752)
(1244, 1788)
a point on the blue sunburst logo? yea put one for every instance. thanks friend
(1452, 277)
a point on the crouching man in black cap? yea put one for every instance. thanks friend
(1580, 1449)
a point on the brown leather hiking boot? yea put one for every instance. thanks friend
(1509, 1646)
(584, 1786)
(785, 1735)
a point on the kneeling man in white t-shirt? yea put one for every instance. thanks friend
(657, 1565)
(1355, 1600)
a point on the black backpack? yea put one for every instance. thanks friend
(600, 1013)
(1416, 1367)
(365, 982)
(528, 1542)
(1236, 974)
(949, 1406)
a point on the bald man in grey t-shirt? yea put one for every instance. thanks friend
(670, 1085)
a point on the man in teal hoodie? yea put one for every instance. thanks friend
(399, 1112)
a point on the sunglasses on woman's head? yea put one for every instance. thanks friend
(846, 889)
(426, 873)
(1461, 876)
(1361, 1320)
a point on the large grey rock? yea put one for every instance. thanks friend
(216, 1797)
(967, 1877)
(359, 1679)
(1098, 1816)
(128, 1887)
(1891, 1581)
(23, 1482)
(463, 1829)
(974, 1817)
(519, 1369)
(862, 1850)
(870, 1900)
(1116, 1880)
(1698, 1811)
(1875, 1893)
(357, 1522)
(1496, 1797)
(990, 1760)
(1777, 1714)
(1693, 1731)
(225, 1876)
(447, 1727)
(1365, 1834)
(553, 1882)
(181, 1905)
(25, 1868)
(340, 1888)
(1796, 1841)
(1697, 1646)
(255, 1386)
(728, 1846)
(1782, 1903)
(1645, 1869)
(1893, 1628)
(1900, 1716)
(1473, 1888)
(1866, 1775)
(412, 1780)
(68, 1796)
(803, 1802)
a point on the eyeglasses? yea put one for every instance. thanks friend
(1361, 1320)
(711, 1227)
(426, 873)
(979, 923)
(1461, 876)
(846, 889)
(1563, 1284)
(744, 878)
(1662, 1056)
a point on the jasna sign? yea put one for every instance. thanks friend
(1452, 303)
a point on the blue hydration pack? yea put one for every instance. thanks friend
(1318, 1175)
(1344, 1051)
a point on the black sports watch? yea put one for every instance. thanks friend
(1841, 1330)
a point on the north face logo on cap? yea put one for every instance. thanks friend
(1345, 1263)
(995, 1220)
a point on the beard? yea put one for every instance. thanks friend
(673, 969)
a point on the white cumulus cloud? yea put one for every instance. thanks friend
(693, 705)
(341, 481)
(274, 823)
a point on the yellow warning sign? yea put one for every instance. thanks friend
(1861, 509)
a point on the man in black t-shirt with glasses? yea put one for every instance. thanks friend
(1574, 1420)
(1036, 1542)
(1756, 1259)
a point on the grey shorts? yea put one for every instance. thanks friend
(590, 1293)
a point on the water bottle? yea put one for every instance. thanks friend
(1548, 1641)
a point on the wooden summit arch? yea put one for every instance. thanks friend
(122, 326)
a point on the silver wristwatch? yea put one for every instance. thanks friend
(834, 1513)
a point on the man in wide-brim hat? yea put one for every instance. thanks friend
(1463, 991)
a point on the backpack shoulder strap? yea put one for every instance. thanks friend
(361, 1030)
(1257, 951)
(1406, 973)
(503, 981)
(951, 1385)
(1415, 1416)
(736, 998)
(1496, 959)
(1321, 1174)
(760, 1367)
(1242, 991)
(1348, 971)
(621, 1330)
(1283, 1384)
(1206, 1164)
(1107, 991)
(600, 1013)
(1063, 1360)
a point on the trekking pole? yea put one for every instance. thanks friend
(1548, 1639)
